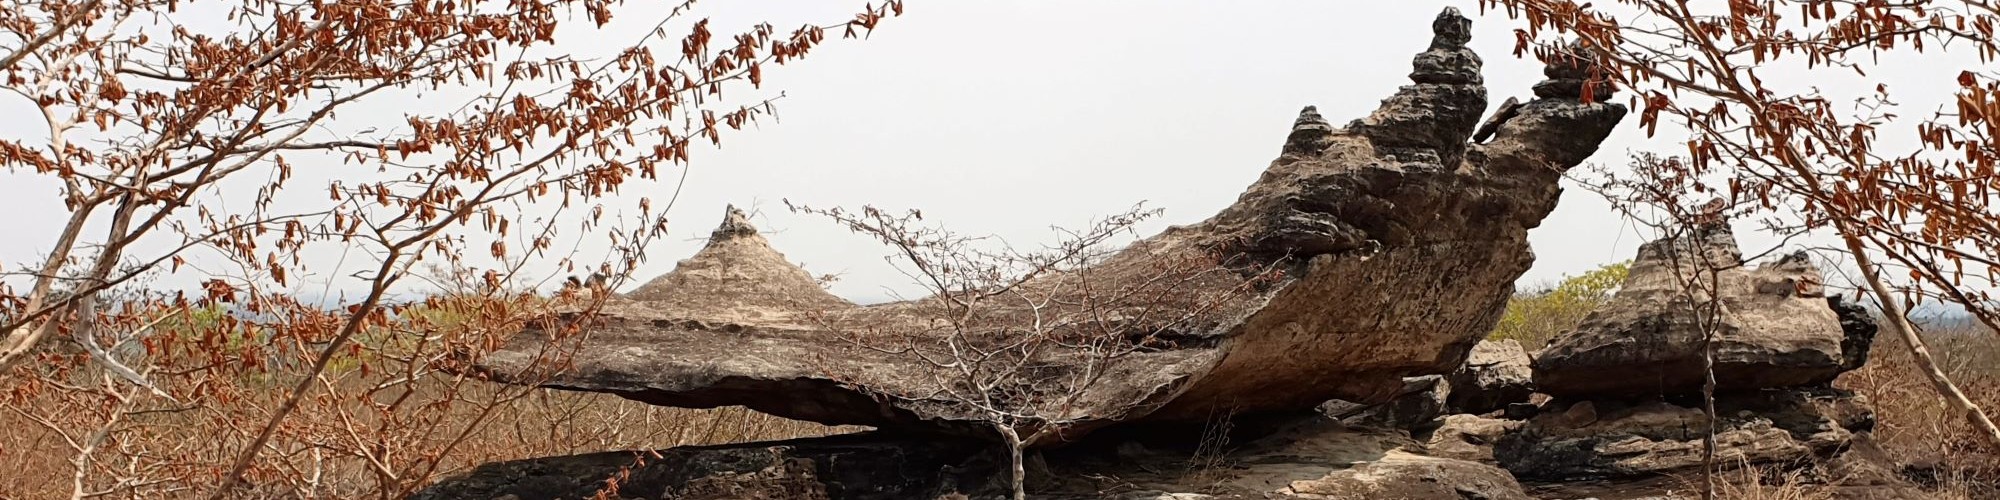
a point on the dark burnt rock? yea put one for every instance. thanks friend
(1858, 329)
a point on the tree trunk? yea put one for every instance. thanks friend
(1014, 445)
(1900, 322)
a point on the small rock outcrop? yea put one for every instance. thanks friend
(1364, 255)
(1774, 327)
(1495, 375)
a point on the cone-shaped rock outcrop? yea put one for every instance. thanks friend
(737, 278)
(1364, 254)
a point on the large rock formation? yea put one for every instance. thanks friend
(1364, 255)
(1773, 326)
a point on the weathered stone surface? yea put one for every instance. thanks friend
(1395, 240)
(1421, 401)
(1468, 437)
(1775, 327)
(1591, 440)
(1402, 475)
(1861, 471)
(1303, 458)
(1495, 375)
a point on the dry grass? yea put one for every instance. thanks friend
(1917, 428)
(182, 445)
(385, 419)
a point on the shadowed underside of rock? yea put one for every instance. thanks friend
(1310, 458)
(1397, 239)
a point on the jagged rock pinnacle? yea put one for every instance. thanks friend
(1570, 70)
(1428, 123)
(1448, 61)
(1309, 133)
(1451, 30)
(734, 223)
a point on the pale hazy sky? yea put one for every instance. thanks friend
(1006, 117)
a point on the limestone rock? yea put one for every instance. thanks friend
(1775, 328)
(1380, 251)
(1592, 440)
(1495, 375)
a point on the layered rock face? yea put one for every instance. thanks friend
(1394, 243)
(1773, 326)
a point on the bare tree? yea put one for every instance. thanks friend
(1920, 224)
(261, 146)
(1016, 338)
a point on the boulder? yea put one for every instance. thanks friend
(1363, 255)
(1594, 440)
(1774, 327)
(1468, 437)
(1495, 375)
